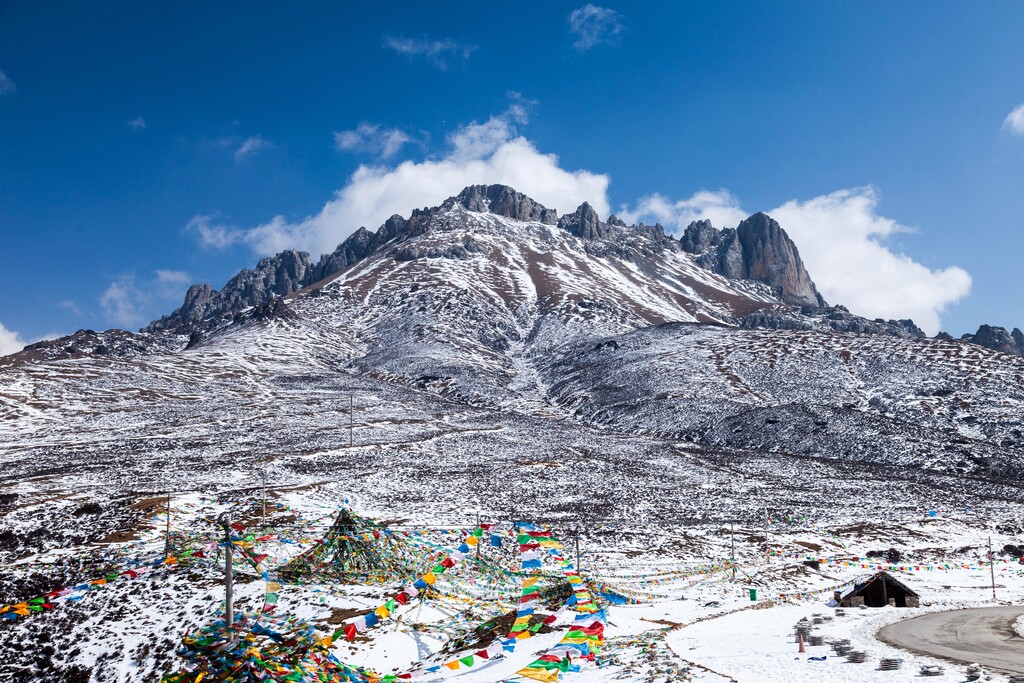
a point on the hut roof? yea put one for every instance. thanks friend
(862, 582)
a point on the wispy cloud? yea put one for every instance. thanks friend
(10, 341)
(129, 302)
(593, 25)
(7, 86)
(212, 233)
(439, 53)
(720, 207)
(122, 302)
(1014, 122)
(69, 305)
(137, 123)
(372, 138)
(251, 145)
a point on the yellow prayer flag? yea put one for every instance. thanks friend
(545, 676)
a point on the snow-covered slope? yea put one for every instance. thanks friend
(582, 373)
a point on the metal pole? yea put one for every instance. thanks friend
(263, 476)
(167, 533)
(229, 610)
(992, 567)
(732, 547)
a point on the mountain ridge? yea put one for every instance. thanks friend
(758, 250)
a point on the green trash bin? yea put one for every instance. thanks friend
(753, 595)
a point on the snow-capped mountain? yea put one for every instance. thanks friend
(483, 355)
(719, 338)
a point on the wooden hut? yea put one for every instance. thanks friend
(877, 590)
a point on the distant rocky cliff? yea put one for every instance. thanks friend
(997, 339)
(757, 249)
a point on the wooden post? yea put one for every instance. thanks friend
(579, 567)
(351, 419)
(992, 567)
(480, 543)
(732, 548)
(167, 533)
(229, 609)
(263, 476)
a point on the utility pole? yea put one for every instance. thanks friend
(167, 533)
(732, 548)
(263, 476)
(229, 610)
(351, 423)
(992, 567)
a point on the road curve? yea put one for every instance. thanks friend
(983, 635)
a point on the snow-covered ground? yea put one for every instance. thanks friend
(691, 620)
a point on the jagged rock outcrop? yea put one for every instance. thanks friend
(700, 236)
(998, 339)
(363, 242)
(110, 344)
(836, 318)
(274, 276)
(585, 224)
(757, 249)
(502, 200)
(614, 238)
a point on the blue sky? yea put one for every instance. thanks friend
(145, 146)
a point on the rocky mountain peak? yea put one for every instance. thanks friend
(771, 256)
(585, 224)
(502, 200)
(273, 276)
(699, 236)
(998, 339)
(757, 249)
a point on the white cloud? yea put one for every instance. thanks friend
(593, 25)
(7, 86)
(478, 153)
(71, 306)
(841, 238)
(170, 284)
(137, 123)
(250, 146)
(371, 138)
(10, 341)
(129, 303)
(440, 53)
(121, 303)
(213, 235)
(720, 207)
(1015, 121)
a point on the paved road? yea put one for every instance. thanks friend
(982, 635)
